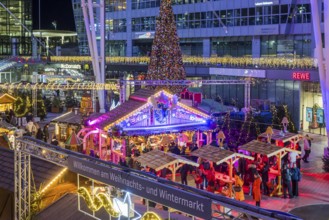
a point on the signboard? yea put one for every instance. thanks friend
(309, 113)
(319, 116)
(145, 35)
(70, 66)
(266, 2)
(266, 29)
(237, 72)
(147, 188)
(303, 76)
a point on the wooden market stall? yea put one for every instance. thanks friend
(218, 156)
(280, 138)
(156, 117)
(6, 102)
(158, 160)
(269, 150)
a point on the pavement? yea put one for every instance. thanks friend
(313, 200)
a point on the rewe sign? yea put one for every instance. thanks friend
(305, 76)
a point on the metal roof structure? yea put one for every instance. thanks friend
(43, 171)
(158, 160)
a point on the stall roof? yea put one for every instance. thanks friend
(72, 140)
(72, 117)
(278, 137)
(215, 154)
(158, 160)
(137, 101)
(6, 125)
(6, 98)
(262, 148)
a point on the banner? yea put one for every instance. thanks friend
(309, 114)
(147, 188)
(319, 115)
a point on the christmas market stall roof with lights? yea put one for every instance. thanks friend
(269, 150)
(158, 160)
(279, 136)
(6, 102)
(217, 156)
(151, 112)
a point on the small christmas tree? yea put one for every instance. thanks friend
(166, 61)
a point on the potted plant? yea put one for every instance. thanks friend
(55, 105)
(70, 103)
(314, 119)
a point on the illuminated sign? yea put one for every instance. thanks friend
(70, 66)
(181, 114)
(181, 200)
(264, 2)
(115, 209)
(309, 114)
(304, 76)
(145, 35)
(237, 72)
(319, 115)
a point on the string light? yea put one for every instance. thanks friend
(272, 62)
(102, 200)
(53, 180)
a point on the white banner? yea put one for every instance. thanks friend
(238, 72)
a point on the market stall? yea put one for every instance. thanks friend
(281, 139)
(269, 150)
(6, 102)
(155, 119)
(218, 156)
(158, 160)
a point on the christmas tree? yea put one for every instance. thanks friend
(166, 61)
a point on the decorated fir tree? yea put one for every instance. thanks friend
(166, 61)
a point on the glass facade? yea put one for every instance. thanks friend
(10, 28)
(220, 24)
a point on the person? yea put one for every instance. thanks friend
(198, 179)
(183, 173)
(256, 189)
(40, 134)
(54, 141)
(264, 173)
(286, 181)
(295, 178)
(292, 158)
(252, 170)
(239, 183)
(46, 132)
(307, 148)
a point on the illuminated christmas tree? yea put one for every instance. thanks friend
(166, 61)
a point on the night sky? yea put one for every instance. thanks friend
(53, 10)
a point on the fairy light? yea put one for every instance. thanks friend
(53, 180)
(273, 62)
(103, 200)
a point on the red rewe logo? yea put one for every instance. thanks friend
(301, 76)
